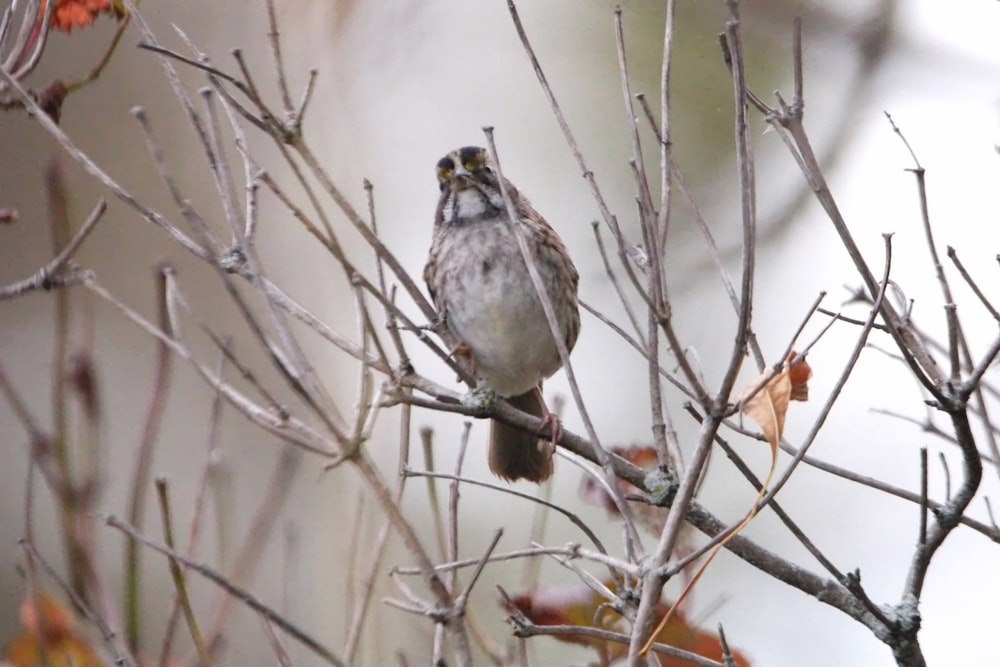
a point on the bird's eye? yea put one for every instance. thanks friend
(445, 170)
(445, 166)
(472, 157)
(478, 164)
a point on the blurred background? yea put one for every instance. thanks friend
(402, 83)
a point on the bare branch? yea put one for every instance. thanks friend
(244, 596)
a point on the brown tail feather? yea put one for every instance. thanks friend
(515, 454)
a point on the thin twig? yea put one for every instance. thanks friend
(91, 168)
(51, 275)
(570, 551)
(143, 467)
(574, 519)
(272, 500)
(973, 285)
(120, 654)
(613, 279)
(274, 40)
(462, 600)
(922, 535)
(177, 575)
(285, 426)
(244, 596)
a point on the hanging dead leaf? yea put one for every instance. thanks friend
(765, 401)
(768, 405)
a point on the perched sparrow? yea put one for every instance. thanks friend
(480, 284)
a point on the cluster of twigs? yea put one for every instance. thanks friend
(392, 313)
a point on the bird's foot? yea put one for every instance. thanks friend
(553, 425)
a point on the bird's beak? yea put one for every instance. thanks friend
(461, 180)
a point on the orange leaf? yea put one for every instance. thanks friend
(799, 373)
(50, 637)
(69, 14)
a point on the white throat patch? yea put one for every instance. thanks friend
(470, 203)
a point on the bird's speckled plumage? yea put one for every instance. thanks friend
(480, 284)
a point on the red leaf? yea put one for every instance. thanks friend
(580, 606)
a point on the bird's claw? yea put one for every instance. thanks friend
(551, 423)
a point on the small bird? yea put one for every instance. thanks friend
(481, 287)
